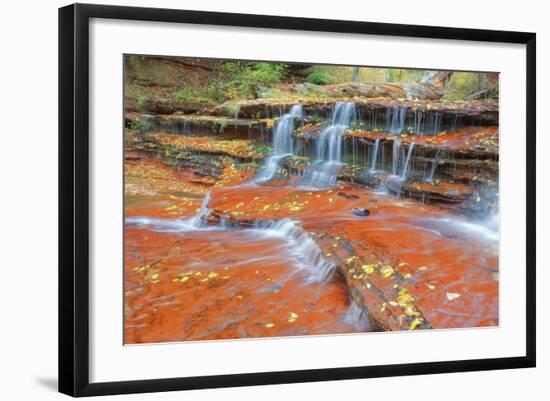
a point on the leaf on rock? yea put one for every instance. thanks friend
(387, 271)
(415, 323)
(452, 296)
(292, 317)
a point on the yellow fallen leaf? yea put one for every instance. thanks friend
(452, 296)
(184, 279)
(292, 317)
(430, 286)
(368, 268)
(386, 271)
(415, 323)
(404, 298)
(269, 325)
(212, 274)
(411, 311)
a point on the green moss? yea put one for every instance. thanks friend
(318, 78)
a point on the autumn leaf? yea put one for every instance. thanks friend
(386, 271)
(292, 317)
(415, 323)
(452, 296)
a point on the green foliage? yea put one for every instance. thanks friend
(141, 100)
(235, 80)
(246, 80)
(221, 126)
(136, 125)
(186, 93)
(195, 94)
(318, 78)
(263, 149)
(460, 85)
(231, 110)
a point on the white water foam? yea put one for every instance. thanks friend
(304, 248)
(196, 222)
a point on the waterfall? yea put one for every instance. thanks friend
(395, 156)
(357, 317)
(407, 161)
(375, 154)
(282, 137)
(282, 144)
(196, 222)
(395, 119)
(199, 219)
(435, 162)
(305, 250)
(329, 144)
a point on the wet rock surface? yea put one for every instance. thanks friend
(405, 227)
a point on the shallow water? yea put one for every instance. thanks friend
(222, 284)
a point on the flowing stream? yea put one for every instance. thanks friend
(323, 172)
(282, 144)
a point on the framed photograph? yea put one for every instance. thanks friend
(251, 199)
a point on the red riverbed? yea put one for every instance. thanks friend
(409, 266)
(204, 284)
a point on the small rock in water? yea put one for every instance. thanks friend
(361, 211)
(347, 196)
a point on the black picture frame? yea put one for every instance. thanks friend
(74, 198)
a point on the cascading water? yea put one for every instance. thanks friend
(282, 144)
(395, 119)
(357, 317)
(400, 169)
(404, 173)
(396, 153)
(196, 222)
(199, 219)
(375, 154)
(305, 250)
(329, 144)
(435, 162)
